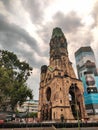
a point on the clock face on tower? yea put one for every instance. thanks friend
(48, 94)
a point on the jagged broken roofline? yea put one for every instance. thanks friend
(57, 32)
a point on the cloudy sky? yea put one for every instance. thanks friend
(26, 27)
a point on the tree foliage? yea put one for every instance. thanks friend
(13, 77)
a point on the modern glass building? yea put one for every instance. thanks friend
(87, 72)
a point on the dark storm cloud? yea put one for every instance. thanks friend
(14, 34)
(36, 9)
(30, 58)
(45, 33)
(8, 5)
(11, 35)
(75, 32)
(70, 22)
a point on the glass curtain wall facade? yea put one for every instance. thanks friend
(87, 72)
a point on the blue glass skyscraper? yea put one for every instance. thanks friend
(87, 72)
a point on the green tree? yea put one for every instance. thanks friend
(13, 77)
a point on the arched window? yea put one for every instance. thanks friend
(48, 93)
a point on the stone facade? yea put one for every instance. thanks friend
(60, 93)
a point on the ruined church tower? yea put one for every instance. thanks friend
(60, 92)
